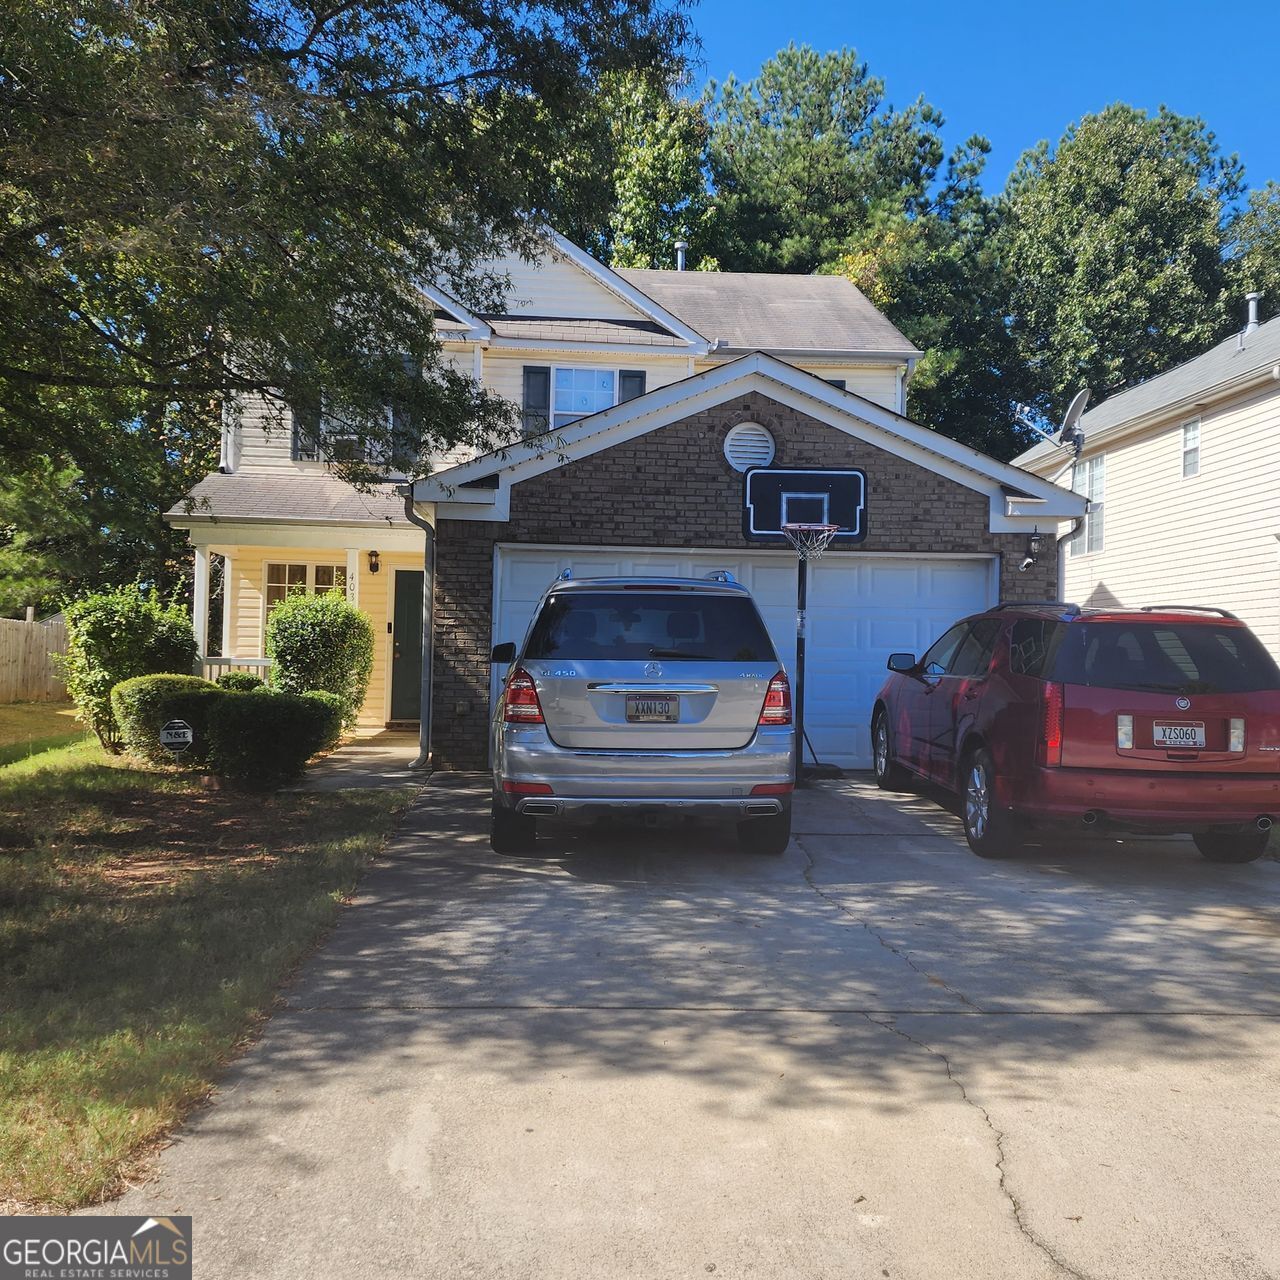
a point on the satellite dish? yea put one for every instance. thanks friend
(1069, 433)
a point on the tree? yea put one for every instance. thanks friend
(1113, 246)
(1256, 265)
(801, 155)
(201, 202)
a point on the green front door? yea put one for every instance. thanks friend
(406, 645)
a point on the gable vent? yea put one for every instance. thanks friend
(748, 445)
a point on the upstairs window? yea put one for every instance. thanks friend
(1191, 449)
(1088, 477)
(556, 395)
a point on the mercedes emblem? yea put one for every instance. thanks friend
(653, 668)
(1183, 704)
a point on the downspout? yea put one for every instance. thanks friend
(423, 760)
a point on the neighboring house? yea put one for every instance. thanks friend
(1182, 473)
(644, 395)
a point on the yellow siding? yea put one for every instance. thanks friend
(248, 580)
(556, 287)
(1209, 539)
(504, 373)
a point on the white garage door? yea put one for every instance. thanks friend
(861, 609)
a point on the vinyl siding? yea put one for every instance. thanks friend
(1208, 539)
(248, 578)
(504, 371)
(875, 382)
(556, 287)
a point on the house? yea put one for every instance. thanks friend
(645, 397)
(1182, 473)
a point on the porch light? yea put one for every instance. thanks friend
(374, 563)
(1035, 544)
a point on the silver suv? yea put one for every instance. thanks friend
(644, 696)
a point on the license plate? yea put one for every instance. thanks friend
(642, 709)
(1186, 734)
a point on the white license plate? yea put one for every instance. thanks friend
(642, 709)
(1185, 734)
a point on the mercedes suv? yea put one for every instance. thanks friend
(1159, 719)
(645, 697)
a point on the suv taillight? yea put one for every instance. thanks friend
(1051, 725)
(521, 699)
(777, 701)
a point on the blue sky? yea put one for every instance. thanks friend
(1021, 72)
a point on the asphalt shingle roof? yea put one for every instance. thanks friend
(315, 499)
(760, 311)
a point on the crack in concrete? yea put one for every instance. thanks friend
(998, 1135)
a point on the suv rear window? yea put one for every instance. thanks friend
(1158, 656)
(619, 625)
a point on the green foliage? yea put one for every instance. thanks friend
(145, 704)
(113, 636)
(799, 156)
(45, 534)
(1256, 266)
(239, 681)
(1113, 247)
(333, 720)
(264, 740)
(321, 642)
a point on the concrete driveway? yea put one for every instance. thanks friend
(649, 1055)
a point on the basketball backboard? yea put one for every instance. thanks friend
(776, 496)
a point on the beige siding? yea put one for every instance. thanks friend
(556, 287)
(875, 382)
(504, 373)
(1209, 539)
(248, 579)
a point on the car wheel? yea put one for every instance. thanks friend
(1244, 844)
(890, 776)
(769, 835)
(990, 831)
(511, 832)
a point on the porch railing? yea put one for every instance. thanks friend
(212, 668)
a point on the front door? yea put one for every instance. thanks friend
(406, 645)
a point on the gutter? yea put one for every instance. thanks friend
(423, 760)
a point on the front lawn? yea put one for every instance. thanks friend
(145, 925)
(27, 728)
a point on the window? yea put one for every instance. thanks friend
(938, 659)
(556, 395)
(305, 445)
(1088, 477)
(1191, 449)
(291, 579)
(972, 659)
(840, 383)
(1029, 645)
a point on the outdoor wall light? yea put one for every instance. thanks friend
(374, 563)
(1035, 544)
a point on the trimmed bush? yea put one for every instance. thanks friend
(333, 721)
(117, 634)
(321, 642)
(145, 704)
(239, 681)
(264, 740)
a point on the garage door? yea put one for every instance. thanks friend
(861, 609)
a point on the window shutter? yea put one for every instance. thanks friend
(836, 382)
(630, 384)
(305, 412)
(537, 399)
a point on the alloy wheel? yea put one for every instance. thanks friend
(882, 748)
(977, 802)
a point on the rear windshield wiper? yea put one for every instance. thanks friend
(679, 653)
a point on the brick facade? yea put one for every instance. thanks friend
(673, 488)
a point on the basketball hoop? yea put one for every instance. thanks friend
(810, 540)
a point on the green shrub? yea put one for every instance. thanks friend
(333, 715)
(321, 642)
(265, 740)
(114, 635)
(239, 681)
(145, 704)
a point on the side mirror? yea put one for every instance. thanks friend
(901, 662)
(503, 653)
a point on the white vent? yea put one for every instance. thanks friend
(748, 445)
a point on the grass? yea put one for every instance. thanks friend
(145, 926)
(27, 728)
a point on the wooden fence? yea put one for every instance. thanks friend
(27, 669)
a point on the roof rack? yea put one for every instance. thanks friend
(1059, 605)
(1188, 608)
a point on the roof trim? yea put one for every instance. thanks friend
(844, 410)
(629, 294)
(477, 329)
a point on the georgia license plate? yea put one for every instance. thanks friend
(641, 709)
(1185, 734)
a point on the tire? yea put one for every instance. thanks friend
(769, 836)
(511, 832)
(1245, 844)
(890, 776)
(990, 831)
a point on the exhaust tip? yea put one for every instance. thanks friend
(1265, 823)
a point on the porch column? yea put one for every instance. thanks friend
(353, 576)
(228, 587)
(200, 602)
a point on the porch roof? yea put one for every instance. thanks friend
(311, 499)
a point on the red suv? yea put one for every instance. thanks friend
(1160, 719)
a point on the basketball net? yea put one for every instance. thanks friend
(810, 540)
